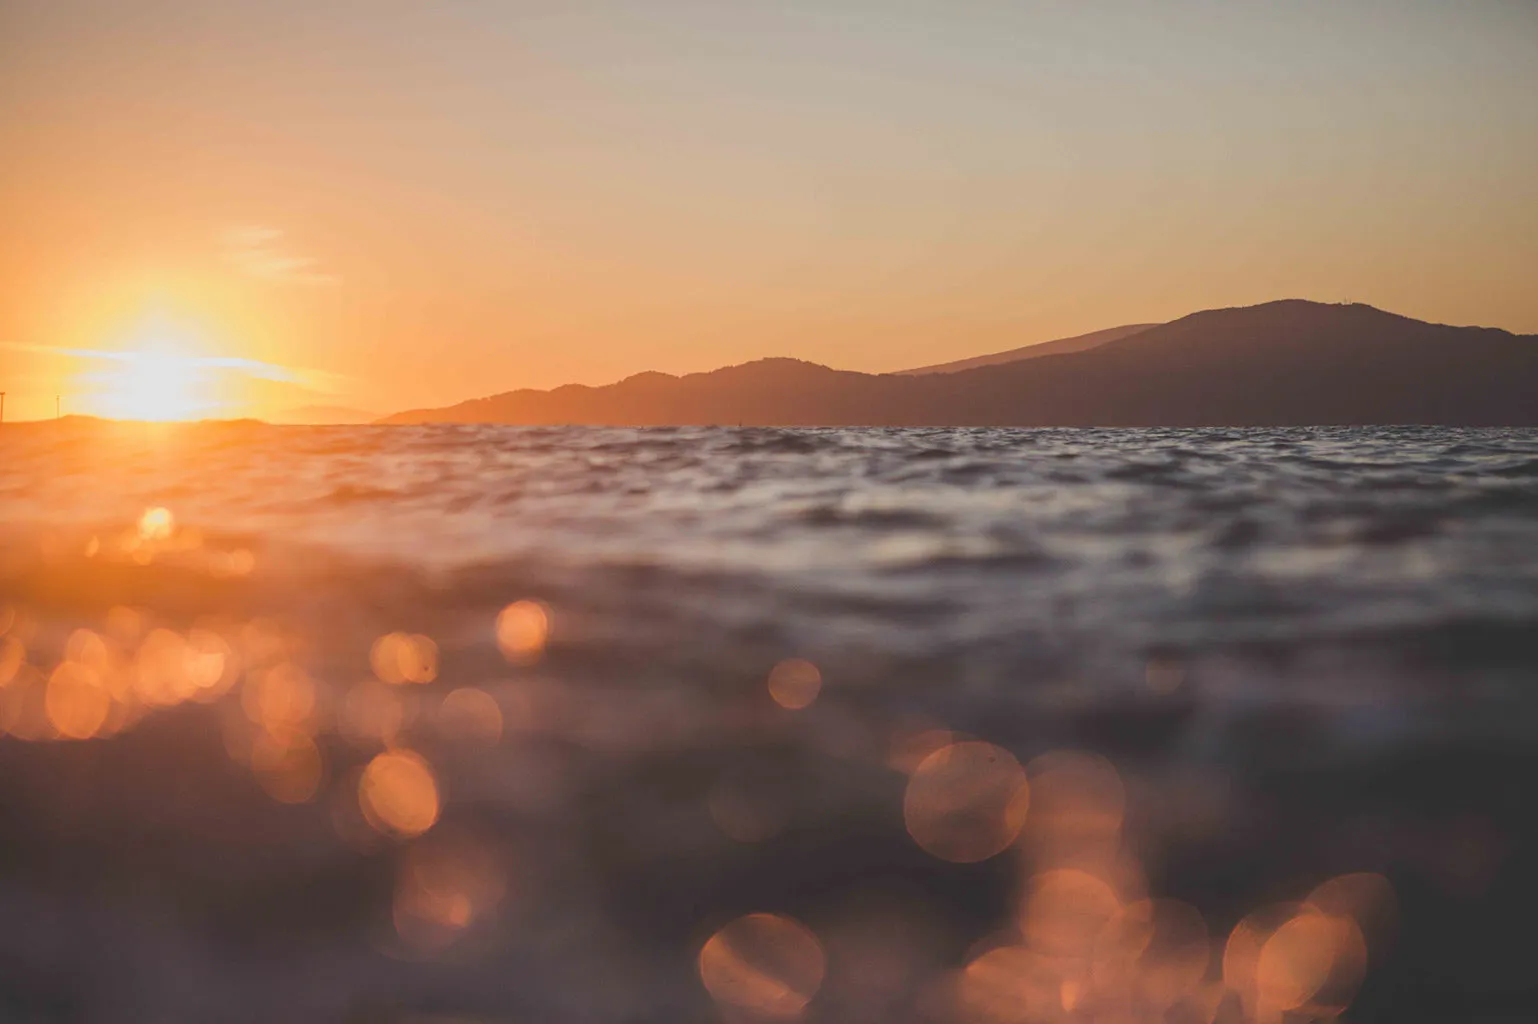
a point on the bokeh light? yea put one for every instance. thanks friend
(398, 793)
(1078, 802)
(912, 743)
(470, 713)
(966, 801)
(373, 712)
(77, 701)
(399, 658)
(13, 655)
(280, 699)
(763, 965)
(1366, 898)
(1314, 960)
(523, 630)
(794, 683)
(444, 885)
(1153, 953)
(288, 766)
(1011, 985)
(156, 524)
(1065, 912)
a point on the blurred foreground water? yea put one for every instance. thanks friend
(950, 726)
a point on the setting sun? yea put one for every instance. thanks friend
(151, 386)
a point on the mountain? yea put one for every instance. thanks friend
(1078, 343)
(1282, 363)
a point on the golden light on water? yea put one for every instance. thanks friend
(399, 794)
(966, 801)
(1086, 941)
(523, 630)
(764, 965)
(795, 683)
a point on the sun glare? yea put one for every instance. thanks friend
(152, 386)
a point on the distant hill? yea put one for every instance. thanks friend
(1282, 363)
(1078, 343)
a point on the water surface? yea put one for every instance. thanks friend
(1307, 652)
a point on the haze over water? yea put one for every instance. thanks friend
(486, 722)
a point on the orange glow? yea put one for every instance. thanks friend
(398, 793)
(794, 683)
(13, 654)
(281, 699)
(1313, 959)
(151, 386)
(76, 701)
(472, 714)
(444, 886)
(1241, 953)
(1011, 985)
(405, 658)
(1066, 912)
(25, 715)
(372, 712)
(124, 625)
(966, 802)
(765, 965)
(523, 629)
(1364, 897)
(1154, 952)
(289, 767)
(1077, 806)
(910, 745)
(156, 524)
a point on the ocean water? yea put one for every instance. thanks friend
(481, 723)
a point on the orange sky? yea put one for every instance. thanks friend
(402, 204)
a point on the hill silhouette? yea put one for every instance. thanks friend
(1078, 343)
(1282, 363)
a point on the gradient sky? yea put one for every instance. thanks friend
(403, 204)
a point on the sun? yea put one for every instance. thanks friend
(152, 386)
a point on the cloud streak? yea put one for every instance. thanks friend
(259, 251)
(254, 368)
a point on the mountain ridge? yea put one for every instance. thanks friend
(1077, 343)
(1288, 362)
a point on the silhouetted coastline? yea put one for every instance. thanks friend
(1287, 363)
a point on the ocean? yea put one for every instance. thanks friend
(986, 726)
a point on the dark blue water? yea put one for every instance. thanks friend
(1306, 652)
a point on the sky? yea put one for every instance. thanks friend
(381, 205)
